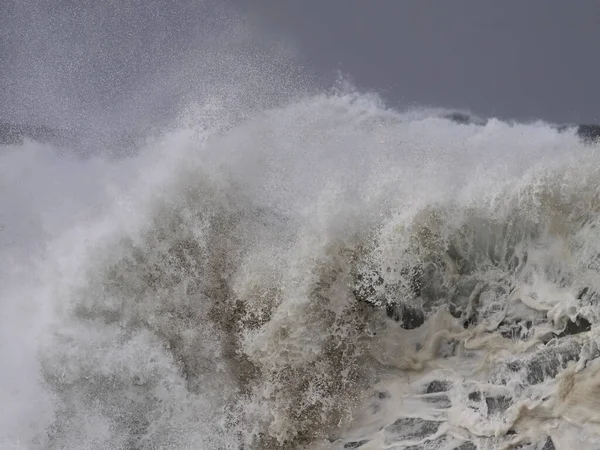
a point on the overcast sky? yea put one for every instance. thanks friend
(523, 59)
(520, 59)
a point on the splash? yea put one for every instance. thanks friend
(326, 274)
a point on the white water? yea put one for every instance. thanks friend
(204, 293)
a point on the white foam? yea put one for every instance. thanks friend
(203, 293)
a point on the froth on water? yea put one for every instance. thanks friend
(328, 274)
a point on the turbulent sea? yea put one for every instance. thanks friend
(293, 269)
(328, 274)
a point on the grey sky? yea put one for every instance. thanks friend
(521, 59)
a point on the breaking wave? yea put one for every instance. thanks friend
(327, 274)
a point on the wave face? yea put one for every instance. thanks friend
(329, 274)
